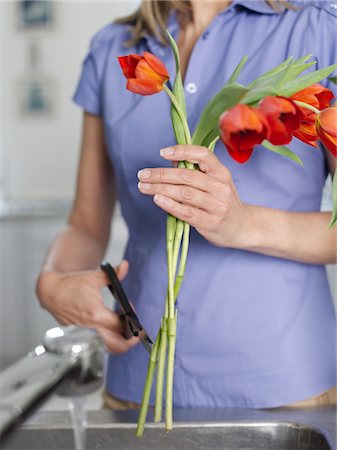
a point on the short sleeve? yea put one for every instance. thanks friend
(87, 94)
(328, 41)
(322, 35)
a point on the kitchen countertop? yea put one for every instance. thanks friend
(13, 209)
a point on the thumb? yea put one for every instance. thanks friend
(122, 269)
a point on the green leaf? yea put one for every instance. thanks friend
(254, 95)
(304, 59)
(238, 70)
(283, 73)
(333, 79)
(210, 137)
(334, 201)
(266, 77)
(306, 80)
(211, 146)
(296, 70)
(282, 150)
(226, 98)
(178, 91)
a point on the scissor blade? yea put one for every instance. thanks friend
(146, 341)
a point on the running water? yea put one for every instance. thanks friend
(79, 420)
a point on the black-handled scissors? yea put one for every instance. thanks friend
(115, 287)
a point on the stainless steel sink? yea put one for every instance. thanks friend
(185, 436)
(194, 429)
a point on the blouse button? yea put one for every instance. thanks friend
(191, 88)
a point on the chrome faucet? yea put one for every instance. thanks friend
(69, 361)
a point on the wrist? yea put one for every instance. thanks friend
(44, 285)
(248, 234)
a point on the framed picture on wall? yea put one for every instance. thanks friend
(36, 98)
(35, 14)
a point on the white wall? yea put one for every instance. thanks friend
(40, 156)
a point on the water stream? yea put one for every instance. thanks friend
(78, 416)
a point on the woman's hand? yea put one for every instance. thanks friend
(206, 199)
(75, 298)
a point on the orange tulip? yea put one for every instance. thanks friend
(283, 117)
(307, 130)
(242, 127)
(146, 74)
(326, 125)
(315, 95)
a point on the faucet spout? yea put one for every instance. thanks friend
(69, 362)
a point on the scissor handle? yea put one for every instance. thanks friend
(117, 291)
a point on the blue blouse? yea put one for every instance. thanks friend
(253, 330)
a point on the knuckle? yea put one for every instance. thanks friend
(161, 174)
(226, 174)
(92, 316)
(187, 212)
(205, 153)
(182, 149)
(186, 193)
(188, 175)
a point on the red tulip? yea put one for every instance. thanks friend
(283, 117)
(146, 74)
(315, 95)
(242, 127)
(326, 125)
(307, 130)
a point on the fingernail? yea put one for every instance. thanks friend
(160, 200)
(144, 186)
(167, 151)
(144, 174)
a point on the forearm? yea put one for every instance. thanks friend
(75, 249)
(300, 236)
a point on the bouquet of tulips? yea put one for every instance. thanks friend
(270, 111)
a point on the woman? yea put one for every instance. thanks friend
(256, 324)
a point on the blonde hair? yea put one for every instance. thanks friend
(151, 17)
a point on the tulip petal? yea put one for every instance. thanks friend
(128, 64)
(240, 155)
(283, 117)
(329, 142)
(242, 127)
(143, 87)
(327, 120)
(315, 95)
(145, 72)
(326, 126)
(156, 64)
(305, 138)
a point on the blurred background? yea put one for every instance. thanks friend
(43, 44)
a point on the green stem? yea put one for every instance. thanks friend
(170, 232)
(180, 112)
(307, 106)
(171, 331)
(163, 341)
(170, 321)
(158, 406)
(183, 260)
(147, 388)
